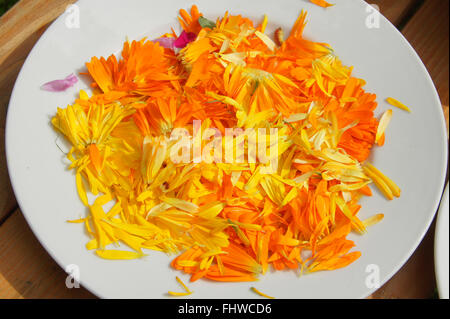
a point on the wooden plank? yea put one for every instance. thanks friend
(9, 70)
(428, 33)
(20, 28)
(26, 270)
(24, 19)
(394, 11)
(7, 199)
(445, 108)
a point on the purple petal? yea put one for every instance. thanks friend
(71, 79)
(165, 42)
(184, 39)
(60, 85)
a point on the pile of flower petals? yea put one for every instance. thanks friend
(225, 221)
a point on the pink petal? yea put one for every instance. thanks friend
(165, 42)
(60, 85)
(184, 39)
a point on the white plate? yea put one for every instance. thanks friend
(415, 154)
(441, 241)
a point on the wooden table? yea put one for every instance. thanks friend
(27, 271)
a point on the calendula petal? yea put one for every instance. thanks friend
(384, 122)
(398, 104)
(118, 254)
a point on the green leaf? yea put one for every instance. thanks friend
(205, 23)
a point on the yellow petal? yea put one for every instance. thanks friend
(373, 220)
(264, 24)
(267, 41)
(118, 254)
(398, 104)
(181, 204)
(379, 183)
(261, 294)
(81, 190)
(392, 186)
(346, 211)
(384, 122)
(179, 294)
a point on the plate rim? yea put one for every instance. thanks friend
(439, 239)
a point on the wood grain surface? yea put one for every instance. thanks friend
(20, 28)
(395, 10)
(27, 271)
(428, 33)
(24, 19)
